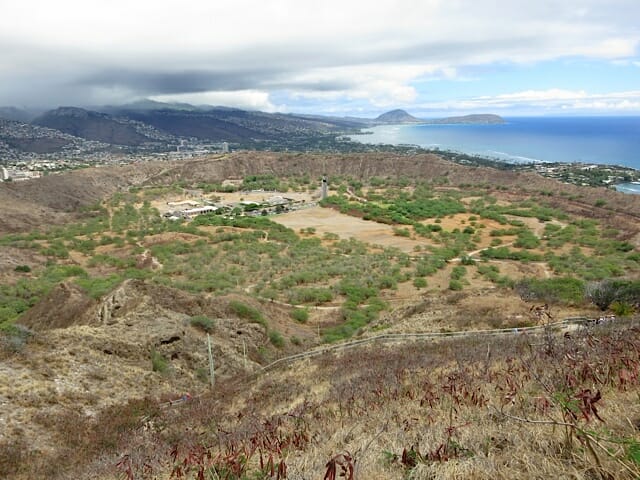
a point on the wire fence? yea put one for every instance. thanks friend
(403, 337)
(399, 337)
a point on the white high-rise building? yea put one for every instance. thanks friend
(5, 175)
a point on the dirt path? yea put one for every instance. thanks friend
(477, 252)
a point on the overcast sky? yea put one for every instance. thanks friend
(430, 57)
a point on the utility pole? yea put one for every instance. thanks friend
(244, 353)
(211, 369)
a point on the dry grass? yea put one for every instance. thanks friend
(374, 403)
(449, 409)
(326, 220)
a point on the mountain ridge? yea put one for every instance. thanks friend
(149, 124)
(97, 126)
(473, 119)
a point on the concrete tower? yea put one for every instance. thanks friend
(325, 185)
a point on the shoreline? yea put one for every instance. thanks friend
(577, 173)
(622, 188)
(587, 140)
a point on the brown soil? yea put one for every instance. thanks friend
(11, 257)
(328, 220)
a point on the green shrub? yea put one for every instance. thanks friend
(247, 312)
(329, 236)
(313, 295)
(158, 362)
(467, 260)
(98, 286)
(387, 282)
(23, 268)
(634, 257)
(552, 290)
(504, 253)
(455, 285)
(527, 240)
(355, 291)
(419, 282)
(458, 272)
(354, 318)
(491, 272)
(622, 309)
(202, 322)
(300, 315)
(276, 339)
(401, 232)
(633, 451)
(56, 249)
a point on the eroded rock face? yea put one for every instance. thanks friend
(118, 303)
(87, 354)
(147, 261)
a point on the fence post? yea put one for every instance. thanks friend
(211, 369)
(244, 353)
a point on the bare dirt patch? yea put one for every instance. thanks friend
(534, 224)
(170, 237)
(327, 220)
(11, 257)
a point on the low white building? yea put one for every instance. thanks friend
(192, 212)
(189, 203)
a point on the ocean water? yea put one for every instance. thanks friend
(602, 140)
(629, 188)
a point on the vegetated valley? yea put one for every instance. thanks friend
(448, 321)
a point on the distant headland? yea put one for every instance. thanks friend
(399, 116)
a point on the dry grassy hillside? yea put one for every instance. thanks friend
(56, 199)
(139, 341)
(106, 308)
(517, 407)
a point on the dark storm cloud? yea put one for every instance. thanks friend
(157, 82)
(74, 52)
